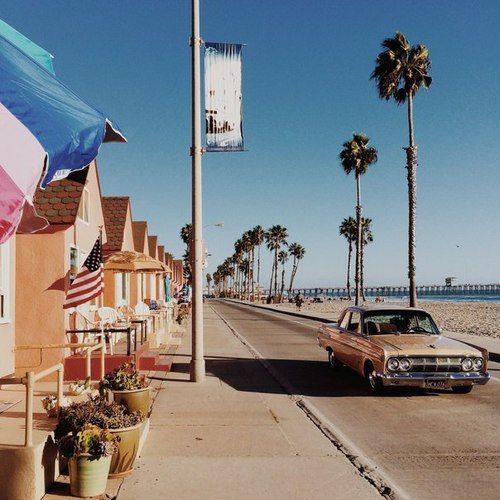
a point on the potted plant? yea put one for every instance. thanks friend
(80, 387)
(182, 316)
(128, 386)
(89, 453)
(116, 419)
(49, 404)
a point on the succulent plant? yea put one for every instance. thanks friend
(90, 440)
(124, 378)
(96, 411)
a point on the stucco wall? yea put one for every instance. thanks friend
(7, 326)
(42, 279)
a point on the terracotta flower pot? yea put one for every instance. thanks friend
(133, 400)
(88, 477)
(122, 462)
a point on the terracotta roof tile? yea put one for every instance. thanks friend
(115, 214)
(139, 229)
(60, 200)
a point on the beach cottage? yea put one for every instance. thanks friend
(118, 221)
(46, 262)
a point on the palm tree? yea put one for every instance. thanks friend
(348, 230)
(366, 231)
(356, 156)
(275, 237)
(257, 240)
(400, 70)
(186, 234)
(209, 280)
(282, 259)
(297, 251)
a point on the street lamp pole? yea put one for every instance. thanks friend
(197, 368)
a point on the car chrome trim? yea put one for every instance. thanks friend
(419, 378)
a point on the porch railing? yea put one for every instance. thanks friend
(29, 382)
(31, 378)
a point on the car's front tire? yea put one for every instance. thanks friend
(462, 389)
(332, 360)
(374, 382)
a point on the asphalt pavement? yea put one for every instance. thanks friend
(428, 444)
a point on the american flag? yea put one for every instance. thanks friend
(88, 283)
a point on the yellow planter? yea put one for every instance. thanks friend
(88, 478)
(133, 400)
(122, 462)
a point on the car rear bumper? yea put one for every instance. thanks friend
(425, 379)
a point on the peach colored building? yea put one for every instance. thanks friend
(118, 222)
(7, 306)
(45, 262)
(139, 283)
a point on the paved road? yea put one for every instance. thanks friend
(432, 445)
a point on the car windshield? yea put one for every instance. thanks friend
(399, 322)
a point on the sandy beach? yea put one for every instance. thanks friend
(473, 318)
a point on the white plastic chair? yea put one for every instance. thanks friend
(109, 317)
(83, 321)
(142, 311)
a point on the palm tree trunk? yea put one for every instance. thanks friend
(359, 210)
(411, 166)
(349, 255)
(363, 270)
(252, 273)
(292, 275)
(276, 272)
(282, 280)
(258, 266)
(271, 284)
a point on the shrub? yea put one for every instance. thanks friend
(124, 378)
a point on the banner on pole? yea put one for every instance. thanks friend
(223, 97)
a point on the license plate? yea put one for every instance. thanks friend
(436, 384)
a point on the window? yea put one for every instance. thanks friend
(122, 287)
(83, 209)
(345, 320)
(152, 285)
(354, 322)
(5, 282)
(73, 263)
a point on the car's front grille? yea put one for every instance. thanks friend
(440, 364)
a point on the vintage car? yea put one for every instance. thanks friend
(401, 346)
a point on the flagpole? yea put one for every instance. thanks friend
(197, 368)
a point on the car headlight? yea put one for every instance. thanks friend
(393, 364)
(404, 364)
(467, 364)
(478, 363)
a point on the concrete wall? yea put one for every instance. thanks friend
(7, 324)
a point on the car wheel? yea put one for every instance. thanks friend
(373, 381)
(332, 361)
(462, 389)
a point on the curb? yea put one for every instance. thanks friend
(492, 356)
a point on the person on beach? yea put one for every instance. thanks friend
(299, 300)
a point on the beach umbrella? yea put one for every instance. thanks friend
(46, 131)
(130, 261)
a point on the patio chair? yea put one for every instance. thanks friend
(142, 311)
(84, 321)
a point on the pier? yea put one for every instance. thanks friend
(401, 291)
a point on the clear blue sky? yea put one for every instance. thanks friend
(306, 89)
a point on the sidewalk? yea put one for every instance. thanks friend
(238, 435)
(491, 344)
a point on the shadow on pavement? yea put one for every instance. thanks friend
(309, 378)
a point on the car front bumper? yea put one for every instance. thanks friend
(428, 380)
